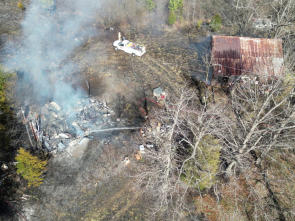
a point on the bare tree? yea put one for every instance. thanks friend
(264, 118)
(283, 14)
(193, 144)
(184, 153)
(262, 130)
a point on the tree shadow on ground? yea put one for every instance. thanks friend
(200, 66)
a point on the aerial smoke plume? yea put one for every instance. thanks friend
(49, 37)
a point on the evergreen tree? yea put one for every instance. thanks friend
(200, 171)
(30, 167)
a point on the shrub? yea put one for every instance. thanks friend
(171, 18)
(20, 5)
(200, 171)
(3, 80)
(7, 84)
(175, 5)
(216, 23)
(287, 86)
(199, 23)
(175, 10)
(30, 167)
(2, 94)
(150, 4)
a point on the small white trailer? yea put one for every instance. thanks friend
(128, 46)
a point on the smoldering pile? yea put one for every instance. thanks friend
(54, 128)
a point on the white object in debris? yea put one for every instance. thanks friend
(159, 93)
(141, 149)
(47, 145)
(129, 47)
(4, 166)
(63, 136)
(150, 146)
(61, 147)
(126, 161)
(53, 115)
(262, 23)
(54, 106)
(79, 131)
(25, 197)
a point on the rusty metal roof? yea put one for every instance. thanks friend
(232, 56)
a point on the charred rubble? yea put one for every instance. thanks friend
(53, 128)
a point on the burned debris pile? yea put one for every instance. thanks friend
(53, 128)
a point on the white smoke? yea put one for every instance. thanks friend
(49, 38)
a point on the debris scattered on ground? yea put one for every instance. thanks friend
(141, 149)
(149, 146)
(4, 166)
(137, 156)
(159, 93)
(55, 128)
(126, 161)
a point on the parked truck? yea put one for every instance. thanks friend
(128, 46)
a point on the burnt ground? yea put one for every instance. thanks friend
(94, 183)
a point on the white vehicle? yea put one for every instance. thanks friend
(129, 47)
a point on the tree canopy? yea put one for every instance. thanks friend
(30, 167)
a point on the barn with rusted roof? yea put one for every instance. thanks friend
(233, 56)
